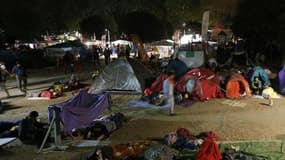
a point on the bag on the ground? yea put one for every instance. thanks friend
(160, 153)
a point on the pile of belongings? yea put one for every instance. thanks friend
(161, 152)
(268, 92)
(100, 128)
(205, 143)
(182, 139)
(120, 151)
(54, 91)
(62, 86)
(153, 98)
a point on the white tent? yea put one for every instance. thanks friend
(121, 42)
(162, 48)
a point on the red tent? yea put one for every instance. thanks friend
(206, 85)
(158, 84)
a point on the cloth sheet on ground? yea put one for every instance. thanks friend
(145, 104)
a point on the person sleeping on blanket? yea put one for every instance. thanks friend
(100, 128)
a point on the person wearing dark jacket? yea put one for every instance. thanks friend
(21, 76)
(31, 131)
(107, 54)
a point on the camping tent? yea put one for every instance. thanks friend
(123, 75)
(178, 66)
(157, 85)
(81, 109)
(281, 78)
(237, 86)
(261, 74)
(202, 83)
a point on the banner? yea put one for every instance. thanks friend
(205, 25)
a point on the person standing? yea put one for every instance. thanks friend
(168, 92)
(21, 76)
(3, 78)
(96, 56)
(128, 51)
(68, 60)
(107, 54)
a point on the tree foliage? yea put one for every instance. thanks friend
(262, 23)
(26, 19)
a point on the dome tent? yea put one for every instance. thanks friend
(237, 86)
(123, 76)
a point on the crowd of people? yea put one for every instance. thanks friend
(108, 50)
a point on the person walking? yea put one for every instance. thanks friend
(3, 78)
(21, 76)
(168, 92)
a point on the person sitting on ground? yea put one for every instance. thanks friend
(31, 131)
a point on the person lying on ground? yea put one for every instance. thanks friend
(100, 128)
(9, 129)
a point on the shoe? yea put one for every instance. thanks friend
(172, 114)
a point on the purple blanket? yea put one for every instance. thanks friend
(81, 109)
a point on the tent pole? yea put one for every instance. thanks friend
(47, 134)
(57, 136)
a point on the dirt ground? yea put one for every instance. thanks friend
(252, 120)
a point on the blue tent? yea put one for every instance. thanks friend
(178, 66)
(259, 72)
